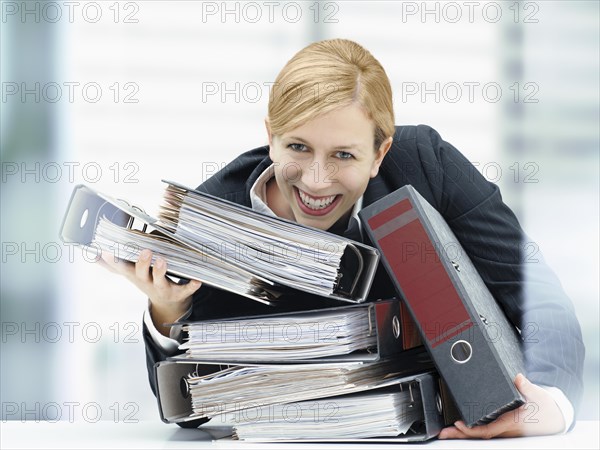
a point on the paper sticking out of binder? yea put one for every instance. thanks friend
(474, 347)
(345, 402)
(224, 245)
(409, 410)
(363, 332)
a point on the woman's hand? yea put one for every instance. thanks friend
(540, 415)
(169, 300)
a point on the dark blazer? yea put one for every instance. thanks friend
(523, 285)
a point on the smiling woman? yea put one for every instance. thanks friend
(326, 76)
(323, 167)
(333, 148)
(330, 125)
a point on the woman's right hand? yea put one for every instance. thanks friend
(169, 300)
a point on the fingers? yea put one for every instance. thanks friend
(110, 262)
(462, 431)
(161, 283)
(489, 431)
(538, 416)
(191, 287)
(153, 282)
(525, 387)
(106, 265)
(142, 267)
(451, 433)
(481, 431)
(156, 284)
(501, 427)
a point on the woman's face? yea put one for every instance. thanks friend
(323, 167)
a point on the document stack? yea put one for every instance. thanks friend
(389, 370)
(328, 375)
(224, 245)
(339, 352)
(365, 332)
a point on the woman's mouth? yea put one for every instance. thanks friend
(316, 206)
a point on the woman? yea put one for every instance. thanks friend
(333, 148)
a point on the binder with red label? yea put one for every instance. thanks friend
(474, 347)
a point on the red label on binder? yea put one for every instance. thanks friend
(386, 215)
(421, 275)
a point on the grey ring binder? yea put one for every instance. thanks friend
(253, 266)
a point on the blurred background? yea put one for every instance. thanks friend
(119, 95)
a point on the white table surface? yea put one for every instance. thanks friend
(157, 435)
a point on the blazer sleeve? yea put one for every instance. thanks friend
(510, 263)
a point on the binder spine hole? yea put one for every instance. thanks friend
(461, 351)
(84, 218)
(184, 386)
(396, 327)
(438, 403)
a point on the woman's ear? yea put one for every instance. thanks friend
(381, 152)
(269, 135)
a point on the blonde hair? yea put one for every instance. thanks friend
(327, 75)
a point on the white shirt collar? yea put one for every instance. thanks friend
(258, 195)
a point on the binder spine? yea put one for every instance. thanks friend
(432, 404)
(84, 212)
(476, 367)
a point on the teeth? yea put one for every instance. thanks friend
(316, 204)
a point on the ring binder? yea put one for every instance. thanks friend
(423, 400)
(252, 261)
(358, 332)
(450, 303)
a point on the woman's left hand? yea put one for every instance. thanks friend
(540, 415)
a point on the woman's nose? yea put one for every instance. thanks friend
(318, 175)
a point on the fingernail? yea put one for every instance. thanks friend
(159, 263)
(144, 255)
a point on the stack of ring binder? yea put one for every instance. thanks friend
(383, 367)
(392, 400)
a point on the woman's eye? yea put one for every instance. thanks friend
(344, 155)
(297, 147)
